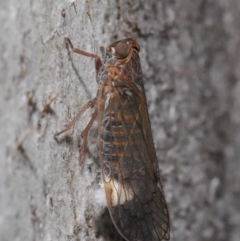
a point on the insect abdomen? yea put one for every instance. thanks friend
(114, 138)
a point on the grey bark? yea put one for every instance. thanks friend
(191, 64)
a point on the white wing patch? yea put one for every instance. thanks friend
(117, 194)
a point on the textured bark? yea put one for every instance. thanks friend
(191, 64)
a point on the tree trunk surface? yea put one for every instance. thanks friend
(190, 56)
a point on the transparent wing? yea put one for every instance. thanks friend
(130, 171)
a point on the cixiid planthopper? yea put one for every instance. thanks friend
(126, 150)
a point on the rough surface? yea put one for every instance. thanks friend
(191, 63)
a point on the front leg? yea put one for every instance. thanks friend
(98, 62)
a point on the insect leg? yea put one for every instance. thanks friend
(91, 103)
(98, 62)
(84, 135)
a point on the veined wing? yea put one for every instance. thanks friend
(130, 170)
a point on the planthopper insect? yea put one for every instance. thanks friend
(127, 155)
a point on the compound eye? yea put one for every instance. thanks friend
(122, 50)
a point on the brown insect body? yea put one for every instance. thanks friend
(128, 159)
